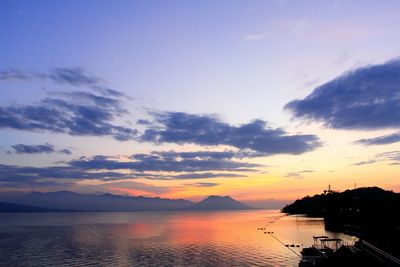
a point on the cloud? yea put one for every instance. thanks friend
(14, 75)
(206, 175)
(342, 58)
(38, 149)
(366, 98)
(93, 113)
(254, 37)
(77, 112)
(310, 83)
(143, 122)
(299, 28)
(203, 184)
(19, 176)
(180, 128)
(130, 187)
(33, 149)
(392, 156)
(74, 76)
(226, 154)
(153, 166)
(74, 113)
(360, 163)
(157, 162)
(380, 140)
(65, 151)
(297, 174)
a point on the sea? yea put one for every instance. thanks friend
(178, 238)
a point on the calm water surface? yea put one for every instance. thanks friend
(222, 238)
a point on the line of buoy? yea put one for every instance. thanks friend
(271, 233)
(298, 255)
(273, 220)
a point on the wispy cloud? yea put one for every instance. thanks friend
(298, 174)
(129, 187)
(255, 37)
(14, 75)
(380, 140)
(203, 184)
(311, 83)
(300, 28)
(206, 175)
(74, 76)
(360, 163)
(258, 36)
(393, 157)
(342, 58)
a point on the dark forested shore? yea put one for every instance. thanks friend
(370, 213)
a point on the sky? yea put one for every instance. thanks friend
(265, 101)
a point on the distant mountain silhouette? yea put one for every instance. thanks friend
(100, 202)
(219, 203)
(9, 207)
(70, 201)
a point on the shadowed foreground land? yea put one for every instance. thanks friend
(371, 213)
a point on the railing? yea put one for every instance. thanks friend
(379, 254)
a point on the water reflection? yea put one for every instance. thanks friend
(154, 239)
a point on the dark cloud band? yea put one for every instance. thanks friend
(366, 98)
(77, 113)
(157, 162)
(180, 128)
(167, 165)
(38, 149)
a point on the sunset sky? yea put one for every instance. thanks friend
(264, 101)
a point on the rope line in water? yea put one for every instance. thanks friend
(298, 255)
(274, 219)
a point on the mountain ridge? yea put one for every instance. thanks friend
(72, 201)
(219, 203)
(11, 207)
